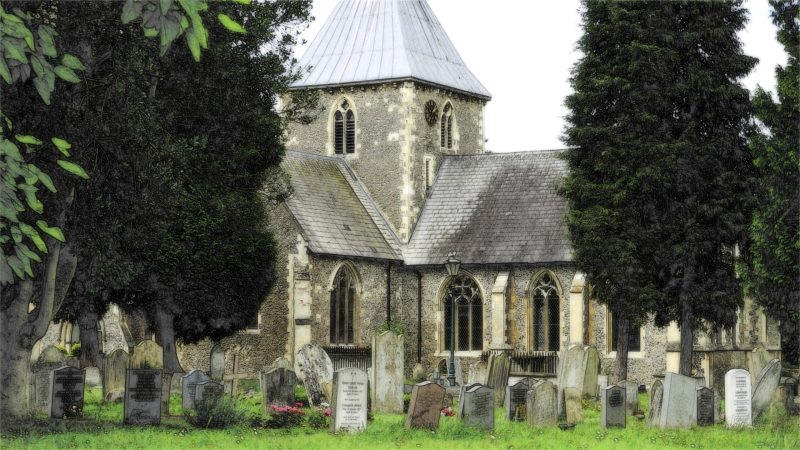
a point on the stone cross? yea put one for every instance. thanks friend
(612, 404)
(67, 393)
(738, 410)
(425, 406)
(387, 372)
(350, 397)
(231, 380)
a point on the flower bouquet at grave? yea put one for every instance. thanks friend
(319, 417)
(285, 416)
(448, 412)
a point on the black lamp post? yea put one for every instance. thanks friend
(452, 264)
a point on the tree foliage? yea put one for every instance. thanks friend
(774, 251)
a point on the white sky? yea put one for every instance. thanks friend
(522, 51)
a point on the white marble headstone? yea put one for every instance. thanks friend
(738, 391)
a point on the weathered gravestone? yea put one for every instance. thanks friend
(66, 399)
(612, 404)
(281, 363)
(738, 401)
(572, 405)
(571, 372)
(705, 406)
(41, 382)
(142, 397)
(756, 361)
(592, 363)
(541, 404)
(425, 406)
(602, 382)
(217, 363)
(147, 355)
(497, 377)
(315, 370)
(92, 376)
(477, 373)
(462, 389)
(114, 374)
(765, 386)
(189, 386)
(277, 387)
(515, 403)
(207, 391)
(479, 407)
(387, 372)
(349, 405)
(679, 405)
(656, 397)
(717, 406)
(631, 396)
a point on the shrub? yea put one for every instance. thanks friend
(285, 416)
(215, 412)
(319, 418)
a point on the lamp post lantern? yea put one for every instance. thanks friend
(452, 264)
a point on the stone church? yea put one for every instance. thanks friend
(389, 179)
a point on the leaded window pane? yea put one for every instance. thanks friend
(463, 294)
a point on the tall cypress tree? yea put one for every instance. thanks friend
(659, 189)
(774, 251)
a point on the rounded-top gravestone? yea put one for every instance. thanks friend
(315, 370)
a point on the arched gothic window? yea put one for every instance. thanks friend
(463, 296)
(546, 315)
(343, 299)
(344, 129)
(446, 124)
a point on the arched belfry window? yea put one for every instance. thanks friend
(545, 326)
(463, 298)
(446, 124)
(344, 129)
(343, 299)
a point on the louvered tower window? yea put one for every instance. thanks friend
(546, 315)
(446, 123)
(344, 129)
(343, 299)
(463, 298)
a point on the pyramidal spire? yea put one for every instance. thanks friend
(366, 41)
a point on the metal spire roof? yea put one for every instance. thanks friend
(380, 40)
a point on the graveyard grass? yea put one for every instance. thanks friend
(101, 428)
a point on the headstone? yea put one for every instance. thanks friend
(765, 386)
(479, 407)
(573, 406)
(541, 404)
(189, 386)
(418, 373)
(41, 383)
(349, 405)
(757, 360)
(114, 373)
(147, 355)
(277, 387)
(705, 406)
(477, 373)
(207, 391)
(656, 397)
(738, 401)
(590, 387)
(92, 376)
(281, 363)
(315, 370)
(632, 396)
(425, 406)
(497, 378)
(217, 363)
(679, 405)
(717, 406)
(571, 372)
(142, 397)
(66, 400)
(612, 404)
(515, 402)
(462, 389)
(387, 372)
(602, 381)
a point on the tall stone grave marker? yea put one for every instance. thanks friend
(277, 386)
(189, 386)
(541, 404)
(571, 372)
(349, 406)
(679, 405)
(217, 363)
(573, 405)
(479, 407)
(41, 383)
(92, 376)
(387, 372)
(462, 389)
(114, 374)
(632, 396)
(738, 401)
(425, 406)
(477, 373)
(497, 378)
(207, 391)
(656, 397)
(592, 363)
(315, 370)
(147, 355)
(515, 402)
(705, 406)
(766, 383)
(66, 399)
(612, 404)
(142, 397)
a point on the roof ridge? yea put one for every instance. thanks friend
(495, 154)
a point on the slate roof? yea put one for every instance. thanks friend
(335, 213)
(494, 208)
(367, 41)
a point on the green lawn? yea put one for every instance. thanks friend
(101, 428)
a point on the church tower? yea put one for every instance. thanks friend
(394, 97)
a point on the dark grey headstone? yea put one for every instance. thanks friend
(189, 386)
(738, 400)
(479, 407)
(426, 404)
(207, 391)
(142, 397)
(705, 407)
(656, 397)
(67, 393)
(515, 403)
(679, 406)
(497, 377)
(612, 404)
(765, 386)
(632, 396)
(277, 387)
(541, 405)
(217, 363)
(350, 397)
(41, 381)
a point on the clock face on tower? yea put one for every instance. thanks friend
(431, 112)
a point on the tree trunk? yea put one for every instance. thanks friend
(90, 344)
(687, 338)
(165, 336)
(14, 359)
(623, 340)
